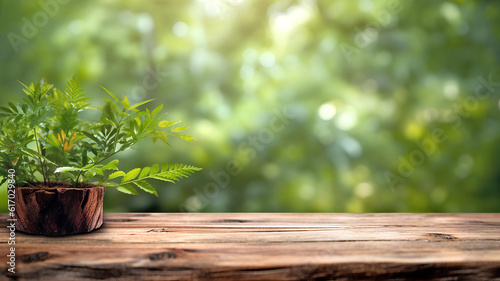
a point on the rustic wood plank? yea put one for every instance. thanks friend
(245, 246)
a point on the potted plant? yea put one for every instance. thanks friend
(58, 165)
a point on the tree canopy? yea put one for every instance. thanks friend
(304, 106)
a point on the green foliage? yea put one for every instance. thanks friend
(232, 64)
(138, 177)
(44, 139)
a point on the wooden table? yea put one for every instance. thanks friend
(266, 246)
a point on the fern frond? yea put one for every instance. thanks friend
(168, 173)
(75, 94)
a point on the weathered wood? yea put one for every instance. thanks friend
(59, 210)
(267, 247)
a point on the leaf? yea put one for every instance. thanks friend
(162, 178)
(139, 104)
(116, 174)
(34, 154)
(68, 169)
(91, 136)
(165, 167)
(174, 172)
(114, 106)
(85, 159)
(154, 169)
(157, 109)
(127, 189)
(144, 172)
(165, 124)
(42, 149)
(73, 137)
(53, 140)
(3, 108)
(108, 113)
(164, 138)
(13, 107)
(179, 129)
(111, 94)
(146, 186)
(131, 175)
(186, 137)
(111, 165)
(125, 103)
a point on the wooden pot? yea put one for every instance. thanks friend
(59, 210)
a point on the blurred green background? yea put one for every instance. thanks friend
(303, 106)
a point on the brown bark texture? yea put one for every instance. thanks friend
(59, 210)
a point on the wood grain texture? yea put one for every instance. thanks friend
(58, 210)
(266, 246)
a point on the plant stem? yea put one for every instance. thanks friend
(44, 174)
(118, 128)
(78, 178)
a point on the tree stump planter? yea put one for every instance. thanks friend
(59, 210)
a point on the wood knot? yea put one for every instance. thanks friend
(162, 255)
(442, 236)
(121, 220)
(35, 257)
(158, 230)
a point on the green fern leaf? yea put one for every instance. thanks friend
(146, 186)
(127, 189)
(154, 169)
(144, 173)
(116, 175)
(131, 175)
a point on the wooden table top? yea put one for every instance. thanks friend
(265, 246)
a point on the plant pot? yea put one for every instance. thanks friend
(59, 210)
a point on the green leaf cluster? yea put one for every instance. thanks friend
(44, 140)
(138, 176)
